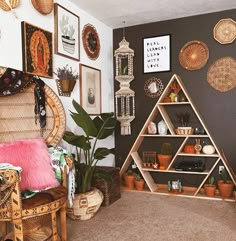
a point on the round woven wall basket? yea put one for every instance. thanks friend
(17, 118)
(193, 55)
(43, 6)
(225, 31)
(13, 4)
(222, 74)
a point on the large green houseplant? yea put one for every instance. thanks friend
(88, 154)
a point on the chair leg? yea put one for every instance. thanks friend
(18, 231)
(63, 223)
(54, 226)
(3, 228)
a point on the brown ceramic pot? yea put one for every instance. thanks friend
(210, 190)
(226, 189)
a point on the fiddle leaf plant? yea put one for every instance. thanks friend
(88, 155)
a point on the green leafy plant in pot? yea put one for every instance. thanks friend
(210, 187)
(88, 155)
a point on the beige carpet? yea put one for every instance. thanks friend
(148, 217)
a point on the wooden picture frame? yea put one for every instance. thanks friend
(37, 50)
(66, 33)
(157, 54)
(90, 89)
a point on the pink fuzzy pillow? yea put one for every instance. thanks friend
(33, 157)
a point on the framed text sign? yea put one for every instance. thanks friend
(156, 54)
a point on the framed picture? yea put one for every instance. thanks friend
(156, 54)
(90, 89)
(67, 30)
(37, 50)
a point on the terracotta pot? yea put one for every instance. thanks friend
(164, 160)
(210, 190)
(139, 184)
(85, 205)
(129, 181)
(226, 189)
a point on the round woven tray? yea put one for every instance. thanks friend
(43, 6)
(193, 55)
(225, 31)
(17, 118)
(222, 74)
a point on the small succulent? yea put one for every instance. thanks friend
(129, 172)
(211, 180)
(166, 149)
(138, 177)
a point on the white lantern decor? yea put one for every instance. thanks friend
(124, 97)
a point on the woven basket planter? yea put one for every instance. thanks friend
(85, 205)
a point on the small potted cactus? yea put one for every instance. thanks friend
(165, 155)
(138, 182)
(210, 187)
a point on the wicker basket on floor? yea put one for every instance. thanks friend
(111, 191)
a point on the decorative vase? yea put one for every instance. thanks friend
(85, 205)
(162, 128)
(164, 160)
(210, 190)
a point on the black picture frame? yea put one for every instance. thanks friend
(157, 54)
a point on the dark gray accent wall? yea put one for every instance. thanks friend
(218, 110)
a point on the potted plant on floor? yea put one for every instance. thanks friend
(129, 179)
(165, 155)
(88, 155)
(210, 187)
(138, 182)
(225, 185)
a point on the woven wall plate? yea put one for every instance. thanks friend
(222, 74)
(91, 41)
(153, 87)
(193, 55)
(17, 118)
(225, 31)
(43, 6)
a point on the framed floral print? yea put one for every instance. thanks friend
(90, 89)
(66, 30)
(156, 54)
(37, 50)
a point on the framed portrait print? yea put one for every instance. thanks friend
(156, 54)
(90, 89)
(37, 50)
(66, 30)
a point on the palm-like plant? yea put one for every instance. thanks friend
(95, 129)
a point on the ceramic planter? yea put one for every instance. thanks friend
(210, 190)
(129, 181)
(226, 189)
(139, 184)
(85, 205)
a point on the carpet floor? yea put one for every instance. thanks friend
(147, 217)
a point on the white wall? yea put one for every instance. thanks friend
(11, 55)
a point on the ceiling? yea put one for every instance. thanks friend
(135, 12)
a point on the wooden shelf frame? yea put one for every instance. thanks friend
(159, 109)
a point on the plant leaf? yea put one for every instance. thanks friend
(78, 141)
(101, 153)
(106, 176)
(83, 120)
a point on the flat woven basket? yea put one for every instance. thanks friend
(184, 131)
(222, 74)
(17, 118)
(13, 4)
(225, 31)
(194, 55)
(43, 6)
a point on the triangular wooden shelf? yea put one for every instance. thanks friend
(160, 109)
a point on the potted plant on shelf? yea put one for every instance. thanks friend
(165, 155)
(88, 156)
(67, 78)
(225, 185)
(129, 179)
(210, 187)
(183, 128)
(138, 182)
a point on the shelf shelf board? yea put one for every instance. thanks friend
(201, 154)
(174, 103)
(169, 135)
(173, 171)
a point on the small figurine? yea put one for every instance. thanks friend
(198, 146)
